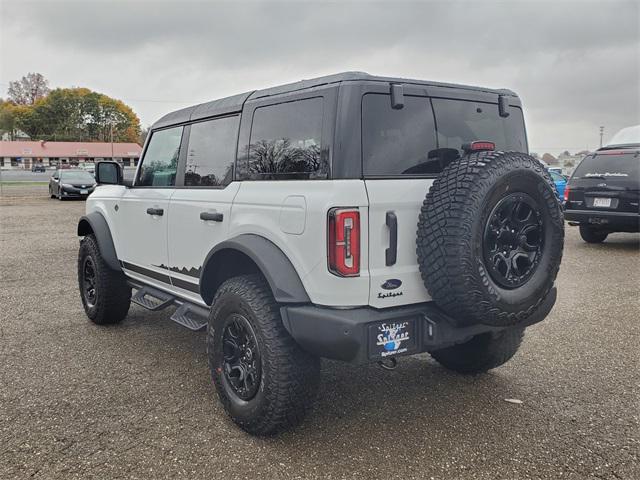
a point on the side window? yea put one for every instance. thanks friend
(211, 152)
(160, 162)
(285, 142)
(398, 141)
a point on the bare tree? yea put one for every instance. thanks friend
(28, 89)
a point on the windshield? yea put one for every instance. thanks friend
(626, 136)
(77, 177)
(624, 166)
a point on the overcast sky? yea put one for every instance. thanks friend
(576, 65)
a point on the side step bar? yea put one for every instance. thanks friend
(191, 316)
(187, 314)
(152, 299)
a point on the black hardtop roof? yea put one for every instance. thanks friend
(234, 103)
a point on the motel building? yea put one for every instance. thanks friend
(24, 154)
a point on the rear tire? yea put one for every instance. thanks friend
(264, 380)
(104, 292)
(592, 235)
(482, 353)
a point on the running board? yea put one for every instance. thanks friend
(191, 316)
(152, 299)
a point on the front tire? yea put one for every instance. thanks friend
(264, 380)
(482, 353)
(105, 295)
(592, 235)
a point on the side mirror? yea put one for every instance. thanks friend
(108, 173)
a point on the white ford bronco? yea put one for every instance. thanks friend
(349, 217)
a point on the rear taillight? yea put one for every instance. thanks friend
(343, 247)
(566, 193)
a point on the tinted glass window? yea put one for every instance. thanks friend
(461, 122)
(609, 167)
(160, 161)
(286, 141)
(211, 152)
(399, 141)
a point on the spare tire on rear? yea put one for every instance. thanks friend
(490, 238)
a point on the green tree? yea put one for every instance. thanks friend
(79, 114)
(10, 115)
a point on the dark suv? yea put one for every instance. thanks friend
(602, 194)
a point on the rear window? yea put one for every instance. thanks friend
(398, 141)
(609, 166)
(461, 122)
(409, 141)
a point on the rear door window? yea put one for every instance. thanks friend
(160, 162)
(211, 152)
(285, 141)
(461, 121)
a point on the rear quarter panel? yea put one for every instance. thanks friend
(292, 214)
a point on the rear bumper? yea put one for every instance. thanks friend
(350, 334)
(622, 221)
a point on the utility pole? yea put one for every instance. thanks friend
(601, 134)
(111, 132)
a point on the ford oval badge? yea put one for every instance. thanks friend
(391, 284)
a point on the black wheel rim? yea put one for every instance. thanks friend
(241, 357)
(513, 240)
(89, 281)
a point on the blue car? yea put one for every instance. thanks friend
(560, 182)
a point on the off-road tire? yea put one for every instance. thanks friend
(592, 235)
(290, 376)
(450, 233)
(113, 295)
(482, 353)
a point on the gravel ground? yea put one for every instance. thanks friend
(135, 400)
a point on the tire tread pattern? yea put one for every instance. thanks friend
(481, 353)
(452, 273)
(290, 376)
(113, 292)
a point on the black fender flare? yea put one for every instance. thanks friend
(282, 277)
(95, 223)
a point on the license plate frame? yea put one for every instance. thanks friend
(392, 338)
(601, 202)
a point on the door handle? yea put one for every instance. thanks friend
(391, 253)
(155, 211)
(211, 216)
